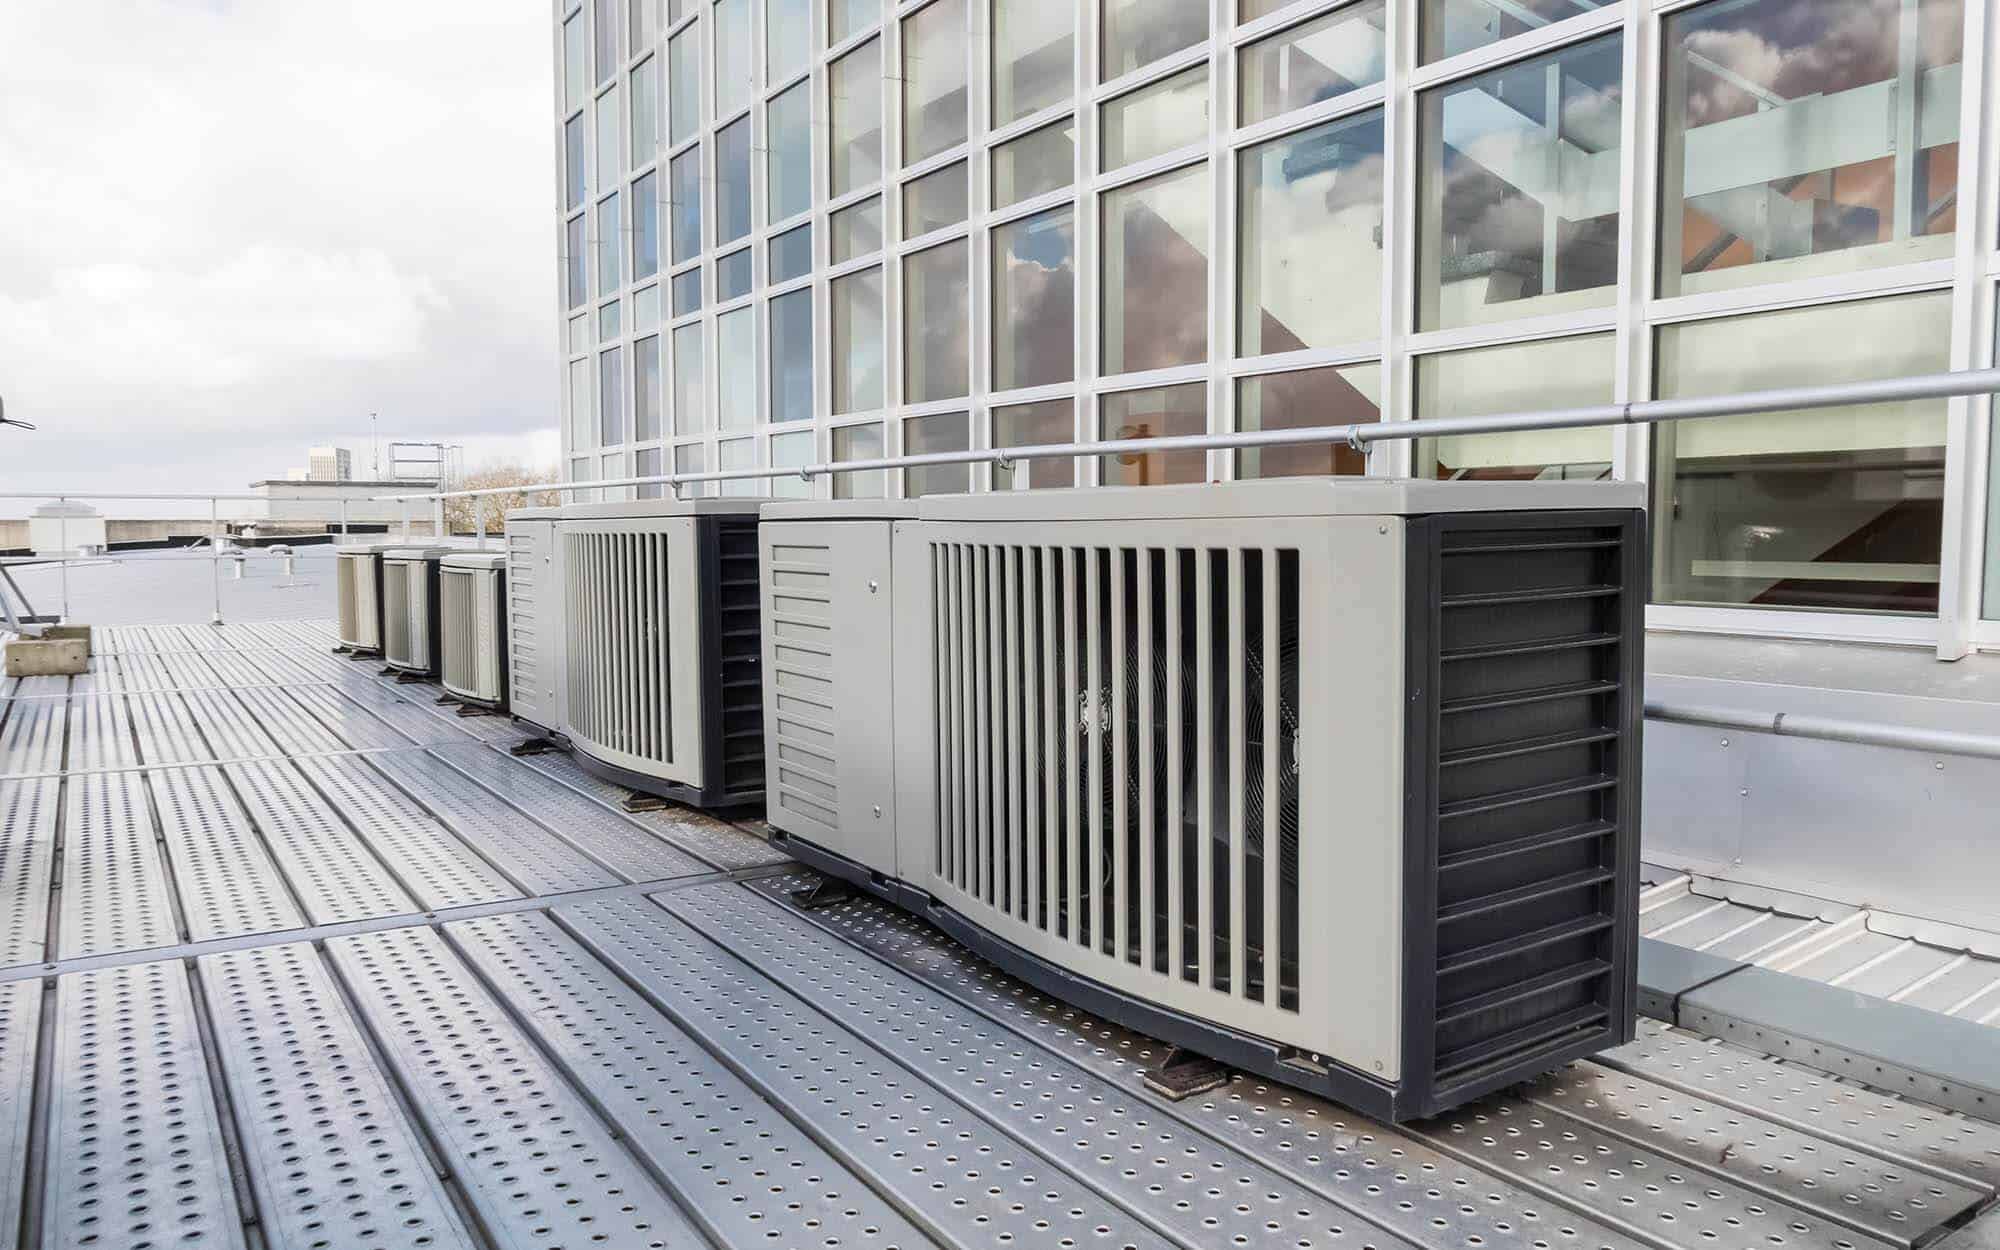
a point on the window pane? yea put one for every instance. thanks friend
(1518, 177)
(732, 56)
(579, 332)
(1033, 56)
(857, 442)
(1839, 508)
(733, 276)
(855, 85)
(678, 9)
(857, 342)
(736, 364)
(950, 431)
(605, 23)
(738, 453)
(792, 254)
(936, 336)
(687, 292)
(645, 27)
(787, 38)
(789, 162)
(647, 462)
(576, 80)
(791, 451)
(1033, 425)
(574, 262)
(582, 469)
(610, 244)
(645, 107)
(576, 183)
(646, 310)
(610, 469)
(607, 322)
(792, 357)
(1794, 159)
(1518, 377)
(646, 389)
(610, 141)
(684, 84)
(645, 227)
(1159, 118)
(1034, 300)
(856, 230)
(690, 396)
(846, 18)
(732, 181)
(693, 459)
(1449, 27)
(1349, 395)
(611, 397)
(1139, 32)
(933, 79)
(1156, 272)
(684, 189)
(1311, 206)
(582, 420)
(1310, 62)
(1157, 412)
(1034, 164)
(934, 201)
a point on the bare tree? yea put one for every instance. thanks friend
(461, 515)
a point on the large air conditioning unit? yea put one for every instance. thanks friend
(662, 686)
(829, 673)
(1332, 780)
(358, 598)
(472, 593)
(534, 618)
(410, 609)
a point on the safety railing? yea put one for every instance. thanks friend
(1359, 436)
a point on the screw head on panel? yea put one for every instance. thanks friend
(873, 585)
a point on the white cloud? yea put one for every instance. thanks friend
(230, 230)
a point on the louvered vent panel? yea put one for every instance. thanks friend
(618, 648)
(1530, 750)
(1117, 753)
(346, 593)
(396, 611)
(460, 604)
(419, 582)
(527, 624)
(739, 648)
(804, 749)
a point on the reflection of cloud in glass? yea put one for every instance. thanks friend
(1034, 342)
(1311, 238)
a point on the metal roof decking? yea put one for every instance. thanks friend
(291, 956)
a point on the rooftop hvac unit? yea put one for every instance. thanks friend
(1332, 780)
(534, 618)
(358, 597)
(410, 620)
(661, 686)
(830, 784)
(472, 593)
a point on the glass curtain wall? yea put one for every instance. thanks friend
(842, 229)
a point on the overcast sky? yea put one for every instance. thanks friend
(229, 230)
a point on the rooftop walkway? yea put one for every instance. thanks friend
(290, 956)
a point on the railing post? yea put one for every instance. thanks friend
(437, 518)
(215, 555)
(343, 518)
(405, 505)
(62, 536)
(479, 519)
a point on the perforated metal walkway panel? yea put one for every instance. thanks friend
(114, 895)
(327, 863)
(289, 724)
(27, 856)
(960, 1174)
(350, 723)
(333, 1160)
(534, 1159)
(431, 862)
(746, 1172)
(719, 844)
(230, 725)
(228, 885)
(538, 861)
(628, 848)
(20, 1017)
(135, 1157)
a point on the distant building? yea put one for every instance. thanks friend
(65, 526)
(329, 464)
(316, 503)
